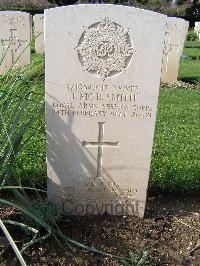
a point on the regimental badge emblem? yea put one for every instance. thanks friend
(105, 49)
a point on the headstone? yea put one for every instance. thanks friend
(174, 41)
(31, 25)
(102, 85)
(39, 33)
(15, 37)
(197, 28)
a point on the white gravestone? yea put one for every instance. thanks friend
(15, 37)
(39, 33)
(174, 41)
(197, 28)
(102, 85)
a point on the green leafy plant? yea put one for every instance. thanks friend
(21, 111)
(192, 36)
(46, 211)
(139, 258)
(12, 243)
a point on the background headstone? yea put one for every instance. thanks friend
(176, 33)
(39, 33)
(15, 37)
(102, 85)
(31, 25)
(197, 28)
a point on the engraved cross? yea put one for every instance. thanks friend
(14, 43)
(100, 144)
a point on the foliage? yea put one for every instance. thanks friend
(30, 9)
(182, 8)
(140, 258)
(21, 111)
(186, 57)
(46, 211)
(193, 11)
(190, 44)
(12, 243)
(192, 36)
(63, 2)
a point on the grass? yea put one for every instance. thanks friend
(176, 153)
(189, 70)
(193, 52)
(192, 49)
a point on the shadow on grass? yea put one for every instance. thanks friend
(192, 46)
(192, 80)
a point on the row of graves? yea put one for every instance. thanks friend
(16, 36)
(103, 66)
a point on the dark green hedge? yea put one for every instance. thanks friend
(30, 9)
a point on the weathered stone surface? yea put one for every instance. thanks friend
(38, 21)
(102, 85)
(15, 37)
(174, 41)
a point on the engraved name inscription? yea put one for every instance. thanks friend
(102, 100)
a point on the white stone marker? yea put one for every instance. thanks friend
(102, 85)
(38, 21)
(197, 28)
(174, 41)
(15, 37)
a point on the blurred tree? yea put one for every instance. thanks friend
(63, 2)
(188, 7)
(193, 11)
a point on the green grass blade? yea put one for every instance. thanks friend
(24, 226)
(30, 213)
(12, 243)
(21, 188)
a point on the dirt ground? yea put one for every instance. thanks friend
(170, 229)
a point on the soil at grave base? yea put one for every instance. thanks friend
(171, 229)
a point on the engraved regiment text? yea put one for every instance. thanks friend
(102, 100)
